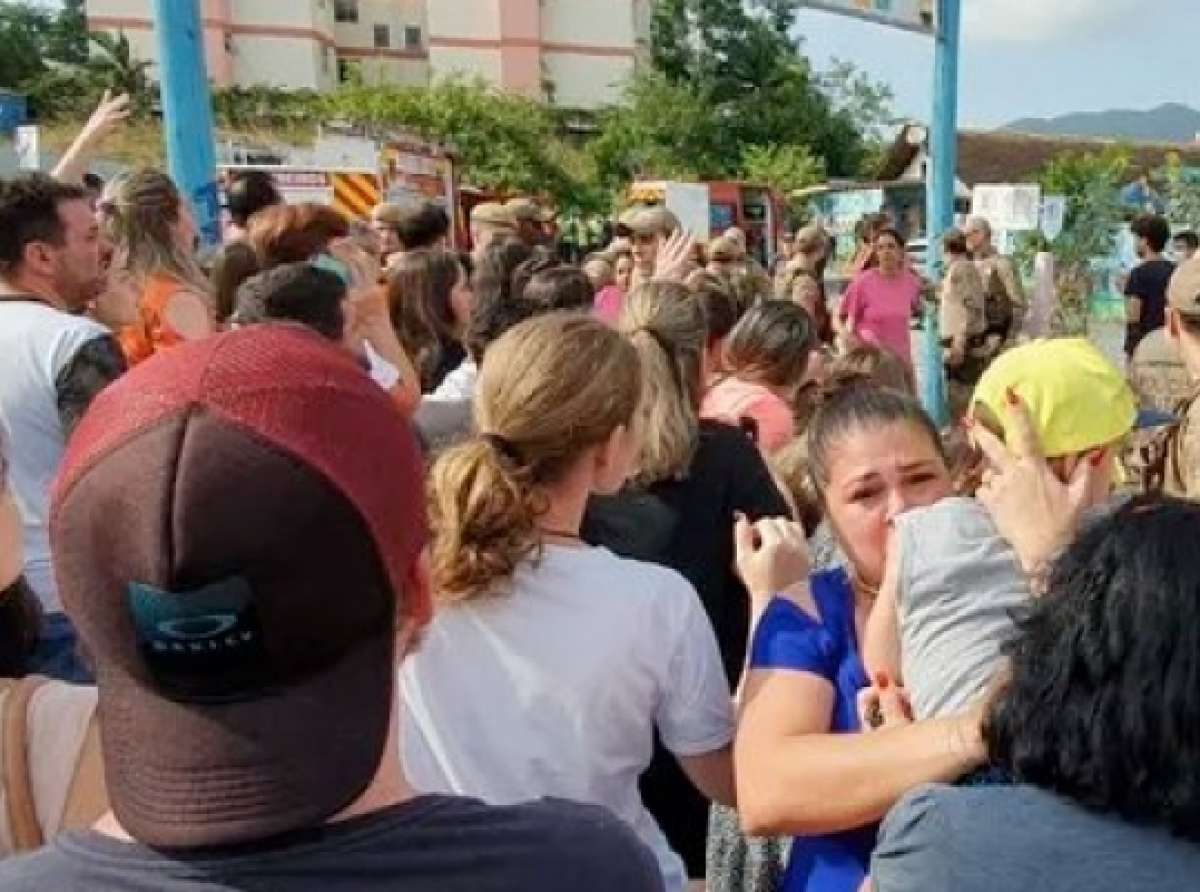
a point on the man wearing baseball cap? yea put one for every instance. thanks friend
(490, 221)
(531, 220)
(647, 227)
(239, 532)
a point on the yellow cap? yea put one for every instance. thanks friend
(1078, 399)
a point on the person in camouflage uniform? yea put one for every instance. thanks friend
(1005, 303)
(1173, 462)
(963, 324)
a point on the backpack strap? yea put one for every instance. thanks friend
(18, 784)
(1163, 455)
(87, 799)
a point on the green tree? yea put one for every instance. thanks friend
(503, 141)
(118, 68)
(1182, 193)
(867, 102)
(67, 38)
(663, 131)
(23, 30)
(1091, 184)
(739, 67)
(33, 38)
(783, 168)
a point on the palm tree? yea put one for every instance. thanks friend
(114, 63)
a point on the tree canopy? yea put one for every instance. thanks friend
(739, 80)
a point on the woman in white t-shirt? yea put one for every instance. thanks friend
(550, 663)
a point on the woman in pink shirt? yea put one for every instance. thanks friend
(770, 356)
(880, 303)
(610, 297)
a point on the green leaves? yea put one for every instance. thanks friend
(1182, 192)
(783, 168)
(115, 67)
(24, 34)
(729, 84)
(503, 141)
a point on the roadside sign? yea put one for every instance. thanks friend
(1013, 207)
(1054, 216)
(28, 147)
(910, 15)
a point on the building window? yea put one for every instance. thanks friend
(349, 71)
(412, 37)
(383, 37)
(345, 10)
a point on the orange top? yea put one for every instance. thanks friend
(151, 332)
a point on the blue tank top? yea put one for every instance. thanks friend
(789, 638)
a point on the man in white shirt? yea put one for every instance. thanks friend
(53, 361)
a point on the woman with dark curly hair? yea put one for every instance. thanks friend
(1098, 728)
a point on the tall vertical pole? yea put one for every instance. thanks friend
(187, 110)
(940, 188)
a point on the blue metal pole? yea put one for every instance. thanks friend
(187, 111)
(940, 188)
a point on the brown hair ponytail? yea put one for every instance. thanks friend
(550, 389)
(667, 327)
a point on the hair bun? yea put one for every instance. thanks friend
(844, 380)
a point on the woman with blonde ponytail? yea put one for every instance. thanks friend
(694, 477)
(551, 663)
(158, 295)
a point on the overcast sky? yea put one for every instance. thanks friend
(1032, 57)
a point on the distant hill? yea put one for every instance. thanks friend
(1172, 122)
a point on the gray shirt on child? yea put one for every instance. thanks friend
(960, 582)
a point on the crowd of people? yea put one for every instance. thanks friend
(337, 557)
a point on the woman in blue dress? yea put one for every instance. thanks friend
(803, 768)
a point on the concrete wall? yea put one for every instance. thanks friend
(589, 24)
(303, 14)
(262, 60)
(484, 63)
(585, 48)
(396, 14)
(383, 70)
(464, 19)
(586, 81)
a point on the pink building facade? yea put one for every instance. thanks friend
(574, 53)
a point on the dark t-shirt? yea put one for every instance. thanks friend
(1148, 282)
(687, 525)
(429, 844)
(996, 838)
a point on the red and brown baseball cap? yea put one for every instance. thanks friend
(236, 523)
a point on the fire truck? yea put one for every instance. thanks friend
(353, 174)
(709, 209)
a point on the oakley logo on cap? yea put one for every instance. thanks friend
(200, 644)
(196, 629)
